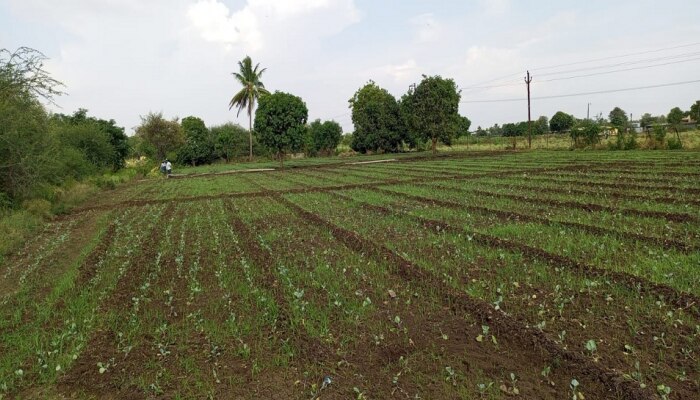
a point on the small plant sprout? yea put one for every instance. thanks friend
(546, 371)
(592, 348)
(485, 329)
(576, 393)
(513, 389)
(451, 376)
(359, 395)
(102, 367)
(483, 388)
(664, 391)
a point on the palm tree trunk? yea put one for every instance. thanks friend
(250, 135)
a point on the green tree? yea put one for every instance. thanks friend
(325, 136)
(85, 135)
(646, 120)
(463, 127)
(22, 71)
(618, 119)
(561, 122)
(585, 133)
(100, 155)
(232, 141)
(540, 126)
(164, 136)
(29, 156)
(280, 123)
(252, 90)
(674, 118)
(432, 113)
(378, 125)
(199, 145)
(695, 111)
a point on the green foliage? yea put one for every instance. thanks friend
(102, 143)
(164, 136)
(646, 120)
(378, 125)
(585, 133)
(231, 141)
(280, 123)
(540, 126)
(618, 119)
(253, 88)
(675, 116)
(674, 144)
(324, 137)
(22, 71)
(695, 111)
(516, 129)
(200, 145)
(561, 122)
(431, 112)
(464, 125)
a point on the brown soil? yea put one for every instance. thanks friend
(84, 376)
(506, 326)
(605, 321)
(687, 301)
(605, 194)
(590, 207)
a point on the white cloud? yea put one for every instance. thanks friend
(215, 23)
(262, 21)
(402, 72)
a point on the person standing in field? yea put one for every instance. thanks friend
(163, 167)
(168, 167)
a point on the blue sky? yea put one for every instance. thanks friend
(123, 58)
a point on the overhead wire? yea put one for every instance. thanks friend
(583, 93)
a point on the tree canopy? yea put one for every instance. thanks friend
(618, 118)
(325, 136)
(280, 123)
(431, 112)
(200, 146)
(161, 134)
(561, 122)
(378, 125)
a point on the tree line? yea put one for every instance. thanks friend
(40, 151)
(588, 131)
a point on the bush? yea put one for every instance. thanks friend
(585, 133)
(631, 141)
(16, 226)
(674, 144)
(38, 207)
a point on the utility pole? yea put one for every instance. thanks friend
(588, 111)
(528, 79)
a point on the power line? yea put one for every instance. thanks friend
(478, 85)
(624, 63)
(620, 56)
(583, 93)
(618, 70)
(594, 73)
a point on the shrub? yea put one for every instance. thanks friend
(38, 207)
(674, 144)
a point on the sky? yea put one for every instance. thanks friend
(122, 59)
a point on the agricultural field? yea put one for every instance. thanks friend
(541, 275)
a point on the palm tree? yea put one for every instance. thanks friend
(252, 89)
